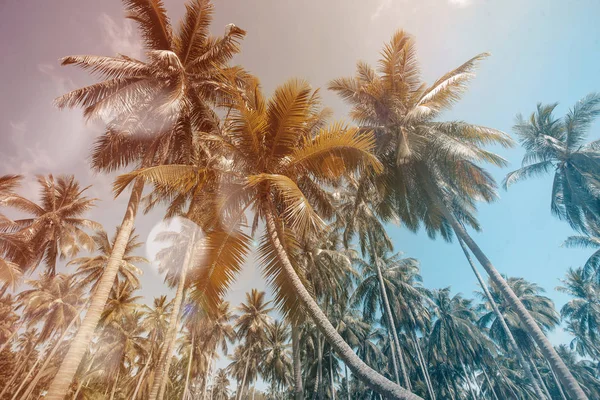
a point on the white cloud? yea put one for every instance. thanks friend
(122, 39)
(460, 3)
(383, 5)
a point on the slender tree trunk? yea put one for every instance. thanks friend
(511, 339)
(143, 373)
(347, 382)
(189, 368)
(79, 386)
(80, 383)
(487, 379)
(468, 381)
(12, 335)
(22, 364)
(540, 379)
(164, 363)
(38, 376)
(114, 388)
(61, 382)
(331, 374)
(557, 382)
(556, 363)
(243, 388)
(37, 361)
(320, 366)
(392, 327)
(298, 389)
(423, 366)
(361, 370)
(208, 370)
(392, 345)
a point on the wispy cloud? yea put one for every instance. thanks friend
(122, 39)
(383, 5)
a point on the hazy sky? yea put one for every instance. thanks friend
(543, 51)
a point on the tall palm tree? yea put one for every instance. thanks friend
(151, 108)
(55, 228)
(251, 326)
(431, 173)
(591, 269)
(11, 249)
(277, 367)
(558, 145)
(282, 156)
(582, 312)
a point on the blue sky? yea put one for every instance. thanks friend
(542, 51)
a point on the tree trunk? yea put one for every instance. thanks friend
(208, 370)
(12, 335)
(556, 363)
(298, 389)
(558, 386)
(164, 363)
(189, 368)
(38, 376)
(320, 367)
(362, 371)
(487, 379)
(143, 373)
(347, 382)
(392, 326)
(423, 366)
(27, 377)
(511, 339)
(243, 387)
(114, 388)
(540, 379)
(22, 364)
(468, 381)
(61, 382)
(331, 374)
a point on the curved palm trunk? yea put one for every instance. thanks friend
(511, 339)
(556, 363)
(208, 371)
(61, 382)
(392, 327)
(189, 369)
(298, 390)
(366, 374)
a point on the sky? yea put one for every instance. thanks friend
(542, 51)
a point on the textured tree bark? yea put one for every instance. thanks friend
(298, 389)
(511, 339)
(361, 370)
(556, 363)
(61, 382)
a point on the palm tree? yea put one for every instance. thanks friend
(251, 325)
(220, 387)
(584, 370)
(558, 144)
(11, 249)
(431, 173)
(159, 101)
(282, 156)
(55, 229)
(277, 366)
(91, 268)
(582, 312)
(380, 278)
(591, 269)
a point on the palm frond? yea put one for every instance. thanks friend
(152, 21)
(175, 178)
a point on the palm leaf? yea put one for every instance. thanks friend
(173, 178)
(152, 21)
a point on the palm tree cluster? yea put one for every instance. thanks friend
(347, 316)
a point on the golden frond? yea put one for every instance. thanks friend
(10, 273)
(171, 178)
(193, 30)
(398, 64)
(109, 67)
(152, 21)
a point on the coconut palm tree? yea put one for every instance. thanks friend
(582, 312)
(591, 269)
(55, 229)
(91, 268)
(584, 370)
(431, 172)
(11, 248)
(277, 366)
(558, 145)
(282, 158)
(151, 108)
(220, 387)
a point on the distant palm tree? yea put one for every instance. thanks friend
(558, 145)
(582, 312)
(11, 249)
(220, 386)
(55, 229)
(91, 268)
(591, 269)
(585, 371)
(277, 364)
